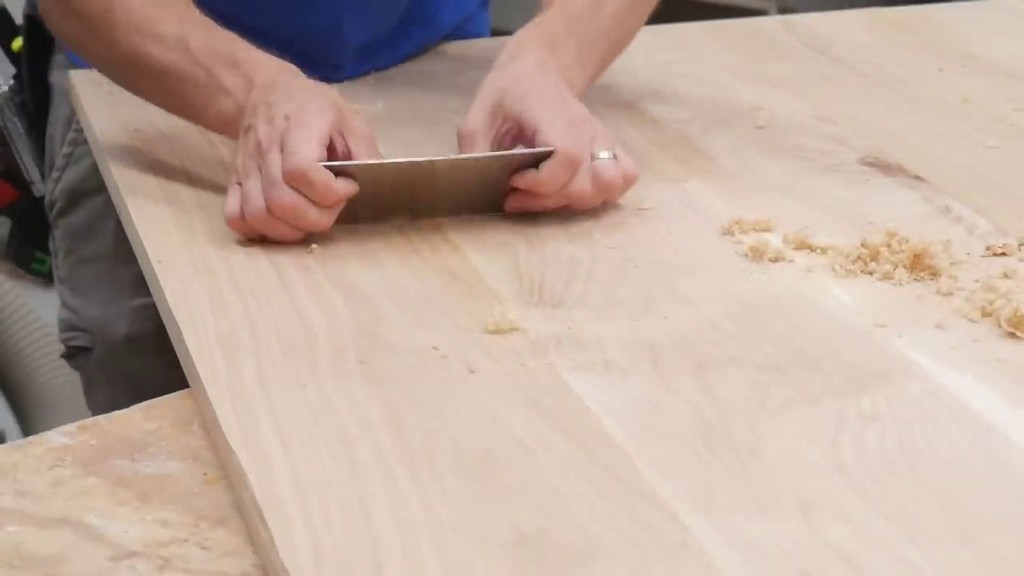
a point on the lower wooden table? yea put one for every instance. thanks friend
(134, 492)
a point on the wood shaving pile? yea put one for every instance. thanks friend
(895, 258)
(889, 256)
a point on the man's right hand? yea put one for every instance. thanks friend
(174, 56)
(279, 191)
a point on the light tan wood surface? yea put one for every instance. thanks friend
(667, 405)
(136, 492)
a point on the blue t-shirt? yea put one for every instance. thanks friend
(334, 40)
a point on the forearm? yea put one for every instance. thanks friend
(168, 53)
(582, 37)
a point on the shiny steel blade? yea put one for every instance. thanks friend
(433, 187)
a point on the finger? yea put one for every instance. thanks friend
(472, 136)
(581, 193)
(254, 207)
(609, 183)
(553, 174)
(233, 212)
(526, 201)
(301, 170)
(288, 205)
(630, 174)
(359, 137)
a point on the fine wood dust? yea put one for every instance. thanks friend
(1004, 249)
(801, 242)
(502, 321)
(1000, 299)
(947, 286)
(739, 226)
(762, 251)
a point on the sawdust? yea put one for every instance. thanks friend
(947, 286)
(502, 321)
(887, 256)
(762, 251)
(759, 249)
(1004, 249)
(998, 298)
(896, 258)
(738, 226)
(801, 242)
(892, 257)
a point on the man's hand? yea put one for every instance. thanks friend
(531, 97)
(174, 56)
(279, 191)
(528, 103)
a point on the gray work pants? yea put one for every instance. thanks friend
(109, 326)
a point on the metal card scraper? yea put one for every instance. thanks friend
(433, 187)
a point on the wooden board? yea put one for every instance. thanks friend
(138, 491)
(667, 406)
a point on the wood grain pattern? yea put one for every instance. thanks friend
(134, 492)
(667, 406)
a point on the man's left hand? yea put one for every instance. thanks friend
(524, 101)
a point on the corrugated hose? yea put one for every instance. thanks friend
(43, 391)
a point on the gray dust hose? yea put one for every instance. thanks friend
(43, 391)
